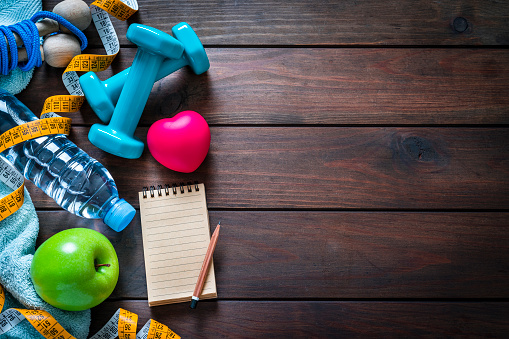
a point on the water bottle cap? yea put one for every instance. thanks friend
(120, 215)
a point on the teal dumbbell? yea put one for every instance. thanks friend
(102, 96)
(153, 47)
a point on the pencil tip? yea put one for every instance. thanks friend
(219, 223)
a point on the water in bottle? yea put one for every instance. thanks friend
(77, 182)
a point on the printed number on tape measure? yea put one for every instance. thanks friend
(99, 9)
(8, 174)
(122, 324)
(89, 62)
(121, 10)
(63, 103)
(127, 322)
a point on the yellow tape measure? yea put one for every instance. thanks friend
(127, 322)
(12, 202)
(123, 324)
(121, 9)
(63, 103)
(89, 62)
(30, 130)
(118, 9)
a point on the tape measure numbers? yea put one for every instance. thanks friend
(12, 202)
(63, 103)
(122, 10)
(127, 322)
(99, 9)
(8, 174)
(123, 324)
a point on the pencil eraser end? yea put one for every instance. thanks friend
(194, 302)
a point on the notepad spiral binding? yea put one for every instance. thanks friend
(174, 186)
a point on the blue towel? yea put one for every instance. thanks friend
(11, 12)
(18, 234)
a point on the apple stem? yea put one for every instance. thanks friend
(99, 265)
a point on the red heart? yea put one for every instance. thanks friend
(180, 143)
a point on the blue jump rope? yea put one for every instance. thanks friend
(28, 32)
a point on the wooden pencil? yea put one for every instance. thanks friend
(205, 267)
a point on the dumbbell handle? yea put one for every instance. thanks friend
(113, 86)
(139, 86)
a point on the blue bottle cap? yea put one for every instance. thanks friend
(120, 215)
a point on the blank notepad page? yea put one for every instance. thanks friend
(176, 234)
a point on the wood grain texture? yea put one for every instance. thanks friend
(319, 86)
(333, 255)
(331, 168)
(358, 166)
(326, 22)
(319, 319)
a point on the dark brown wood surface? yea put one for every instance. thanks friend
(328, 22)
(358, 166)
(331, 168)
(340, 86)
(335, 255)
(325, 319)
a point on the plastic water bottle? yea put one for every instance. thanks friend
(77, 182)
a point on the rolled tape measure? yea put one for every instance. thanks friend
(121, 9)
(122, 324)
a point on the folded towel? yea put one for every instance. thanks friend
(11, 12)
(18, 234)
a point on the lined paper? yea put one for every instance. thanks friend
(176, 234)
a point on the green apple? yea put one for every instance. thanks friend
(75, 269)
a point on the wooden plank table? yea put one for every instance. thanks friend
(359, 167)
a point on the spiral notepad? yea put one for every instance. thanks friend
(176, 233)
